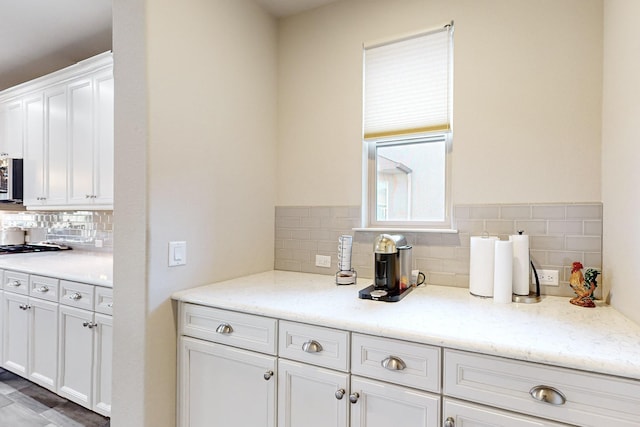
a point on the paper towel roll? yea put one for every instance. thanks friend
(520, 263)
(481, 260)
(503, 272)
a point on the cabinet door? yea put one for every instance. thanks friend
(34, 152)
(12, 140)
(465, 414)
(43, 343)
(103, 173)
(16, 332)
(103, 348)
(75, 355)
(56, 145)
(225, 386)
(310, 396)
(81, 133)
(379, 404)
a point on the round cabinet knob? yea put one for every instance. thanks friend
(353, 397)
(14, 283)
(311, 346)
(393, 363)
(548, 394)
(340, 393)
(267, 375)
(224, 328)
(42, 289)
(449, 422)
(75, 296)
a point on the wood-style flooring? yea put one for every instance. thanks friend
(25, 404)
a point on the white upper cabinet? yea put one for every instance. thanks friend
(63, 124)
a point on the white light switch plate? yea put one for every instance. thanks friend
(177, 253)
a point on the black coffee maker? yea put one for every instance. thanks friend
(389, 251)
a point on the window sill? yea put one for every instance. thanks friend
(409, 230)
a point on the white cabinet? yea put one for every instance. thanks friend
(223, 386)
(378, 404)
(85, 346)
(465, 414)
(30, 334)
(227, 368)
(11, 128)
(547, 392)
(45, 151)
(91, 140)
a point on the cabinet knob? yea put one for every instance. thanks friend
(24, 306)
(449, 422)
(311, 346)
(353, 397)
(547, 394)
(224, 328)
(267, 375)
(14, 283)
(393, 363)
(42, 289)
(340, 393)
(75, 296)
(89, 325)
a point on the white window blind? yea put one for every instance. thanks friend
(407, 85)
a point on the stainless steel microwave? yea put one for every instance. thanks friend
(11, 180)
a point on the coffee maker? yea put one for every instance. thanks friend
(392, 255)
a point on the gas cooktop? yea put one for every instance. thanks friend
(32, 247)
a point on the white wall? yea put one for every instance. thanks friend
(195, 161)
(621, 154)
(527, 102)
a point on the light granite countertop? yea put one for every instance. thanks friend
(552, 332)
(79, 266)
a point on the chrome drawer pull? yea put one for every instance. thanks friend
(42, 289)
(267, 375)
(14, 284)
(393, 363)
(340, 393)
(224, 328)
(311, 346)
(89, 325)
(548, 394)
(75, 296)
(449, 422)
(24, 306)
(353, 397)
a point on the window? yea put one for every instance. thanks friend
(407, 131)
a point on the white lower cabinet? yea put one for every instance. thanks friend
(30, 339)
(310, 396)
(225, 386)
(379, 404)
(465, 414)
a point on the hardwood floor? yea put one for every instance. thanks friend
(25, 404)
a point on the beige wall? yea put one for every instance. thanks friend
(527, 103)
(621, 154)
(195, 161)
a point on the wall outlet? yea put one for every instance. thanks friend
(323, 261)
(547, 277)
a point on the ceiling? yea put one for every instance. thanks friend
(41, 36)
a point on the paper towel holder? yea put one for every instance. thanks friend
(533, 297)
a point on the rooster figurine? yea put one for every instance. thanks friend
(583, 286)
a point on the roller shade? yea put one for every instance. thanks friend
(408, 85)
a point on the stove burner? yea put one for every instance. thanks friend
(34, 247)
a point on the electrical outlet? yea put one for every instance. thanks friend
(547, 277)
(323, 261)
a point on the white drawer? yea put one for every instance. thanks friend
(229, 327)
(591, 399)
(400, 362)
(76, 294)
(16, 282)
(44, 287)
(103, 300)
(314, 344)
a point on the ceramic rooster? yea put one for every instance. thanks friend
(583, 286)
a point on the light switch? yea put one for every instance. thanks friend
(177, 253)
